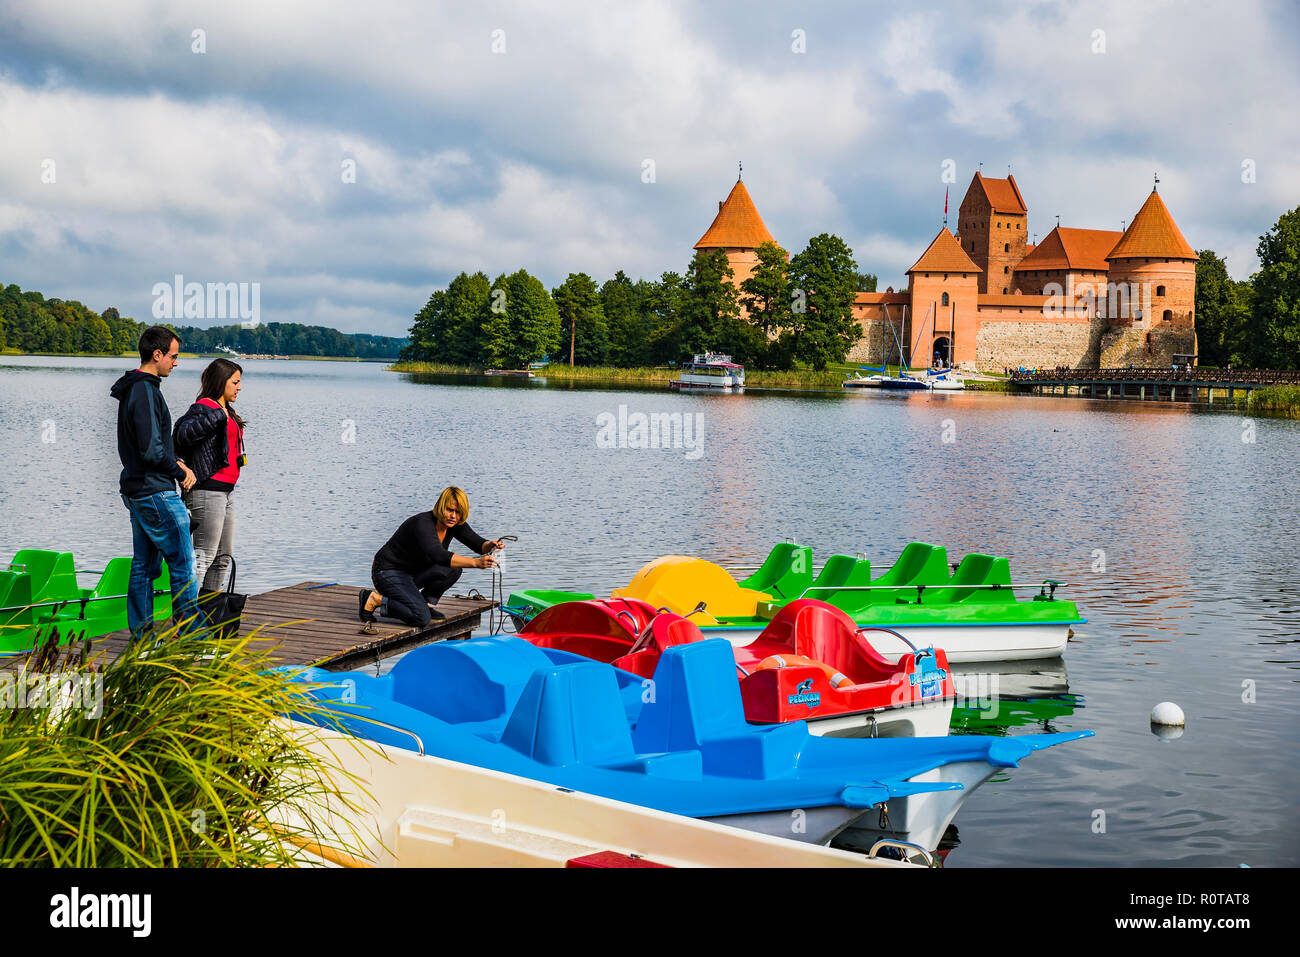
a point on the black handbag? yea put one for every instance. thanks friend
(223, 610)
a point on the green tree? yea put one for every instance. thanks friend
(621, 303)
(521, 323)
(822, 280)
(866, 282)
(710, 313)
(664, 301)
(1276, 306)
(1222, 313)
(449, 327)
(765, 295)
(582, 321)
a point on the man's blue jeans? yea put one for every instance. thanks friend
(160, 529)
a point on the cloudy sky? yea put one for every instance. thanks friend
(503, 135)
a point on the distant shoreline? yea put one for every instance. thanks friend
(187, 355)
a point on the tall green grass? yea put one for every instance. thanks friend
(1277, 399)
(189, 763)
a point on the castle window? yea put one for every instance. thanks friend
(1169, 315)
(1006, 269)
(1160, 290)
(945, 300)
(1006, 247)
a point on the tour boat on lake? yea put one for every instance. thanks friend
(710, 370)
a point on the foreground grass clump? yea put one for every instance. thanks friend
(174, 755)
(1279, 399)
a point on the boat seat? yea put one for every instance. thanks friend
(571, 714)
(696, 699)
(975, 569)
(919, 563)
(464, 682)
(54, 576)
(785, 573)
(840, 570)
(17, 627)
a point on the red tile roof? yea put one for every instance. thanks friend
(944, 254)
(1153, 234)
(737, 224)
(878, 298)
(1003, 194)
(1067, 248)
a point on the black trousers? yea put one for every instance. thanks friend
(433, 582)
(406, 597)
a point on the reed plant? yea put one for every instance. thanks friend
(1277, 399)
(183, 759)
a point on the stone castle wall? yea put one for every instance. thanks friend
(1145, 350)
(877, 345)
(1038, 344)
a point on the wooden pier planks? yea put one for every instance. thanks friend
(313, 623)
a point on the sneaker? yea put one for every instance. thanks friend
(435, 615)
(362, 597)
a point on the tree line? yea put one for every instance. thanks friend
(31, 323)
(791, 309)
(1255, 322)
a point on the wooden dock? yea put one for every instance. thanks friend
(1171, 385)
(314, 623)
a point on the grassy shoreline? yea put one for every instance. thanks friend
(184, 355)
(1281, 400)
(831, 377)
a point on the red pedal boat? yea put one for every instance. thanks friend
(811, 663)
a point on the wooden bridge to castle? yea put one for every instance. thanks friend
(1169, 384)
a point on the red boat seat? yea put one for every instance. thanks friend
(823, 633)
(666, 630)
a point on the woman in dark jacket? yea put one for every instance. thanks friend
(210, 437)
(415, 567)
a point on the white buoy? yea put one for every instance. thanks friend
(1168, 713)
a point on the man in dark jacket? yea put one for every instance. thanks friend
(160, 524)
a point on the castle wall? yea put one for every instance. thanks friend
(1146, 349)
(1038, 342)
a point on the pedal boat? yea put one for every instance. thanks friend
(677, 742)
(810, 663)
(973, 613)
(407, 809)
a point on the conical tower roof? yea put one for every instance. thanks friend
(944, 254)
(1153, 234)
(737, 224)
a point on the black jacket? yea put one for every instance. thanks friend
(200, 439)
(415, 546)
(144, 436)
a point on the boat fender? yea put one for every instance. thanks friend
(836, 678)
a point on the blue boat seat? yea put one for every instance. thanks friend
(571, 714)
(463, 682)
(696, 699)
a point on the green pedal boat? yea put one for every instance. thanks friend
(972, 611)
(39, 591)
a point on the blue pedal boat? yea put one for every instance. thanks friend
(677, 742)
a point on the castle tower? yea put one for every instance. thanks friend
(1153, 254)
(993, 223)
(739, 230)
(944, 286)
(1157, 265)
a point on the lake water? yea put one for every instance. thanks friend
(1177, 528)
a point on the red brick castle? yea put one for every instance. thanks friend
(986, 298)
